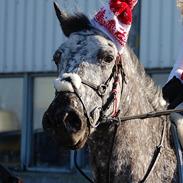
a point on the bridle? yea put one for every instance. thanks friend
(101, 90)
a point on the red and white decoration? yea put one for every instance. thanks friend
(178, 66)
(115, 20)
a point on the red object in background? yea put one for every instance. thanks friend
(131, 3)
(181, 77)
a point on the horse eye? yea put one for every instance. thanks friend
(57, 57)
(105, 56)
(109, 58)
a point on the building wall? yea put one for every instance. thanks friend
(30, 32)
(160, 33)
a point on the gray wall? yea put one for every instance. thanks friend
(30, 32)
(160, 33)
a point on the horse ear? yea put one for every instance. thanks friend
(69, 23)
(62, 17)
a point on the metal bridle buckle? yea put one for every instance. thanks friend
(101, 89)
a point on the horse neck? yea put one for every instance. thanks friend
(128, 147)
(139, 82)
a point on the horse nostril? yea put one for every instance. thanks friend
(72, 122)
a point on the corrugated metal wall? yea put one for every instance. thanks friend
(160, 33)
(30, 32)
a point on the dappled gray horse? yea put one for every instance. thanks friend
(95, 85)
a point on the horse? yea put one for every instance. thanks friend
(95, 87)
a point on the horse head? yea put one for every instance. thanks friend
(91, 90)
(89, 76)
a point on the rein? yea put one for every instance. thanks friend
(158, 150)
(143, 116)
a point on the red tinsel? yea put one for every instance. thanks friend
(131, 3)
(122, 10)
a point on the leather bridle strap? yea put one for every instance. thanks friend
(89, 120)
(80, 170)
(100, 89)
(156, 155)
(142, 116)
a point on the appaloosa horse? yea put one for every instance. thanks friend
(96, 84)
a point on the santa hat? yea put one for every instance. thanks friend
(115, 20)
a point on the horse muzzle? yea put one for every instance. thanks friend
(65, 121)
